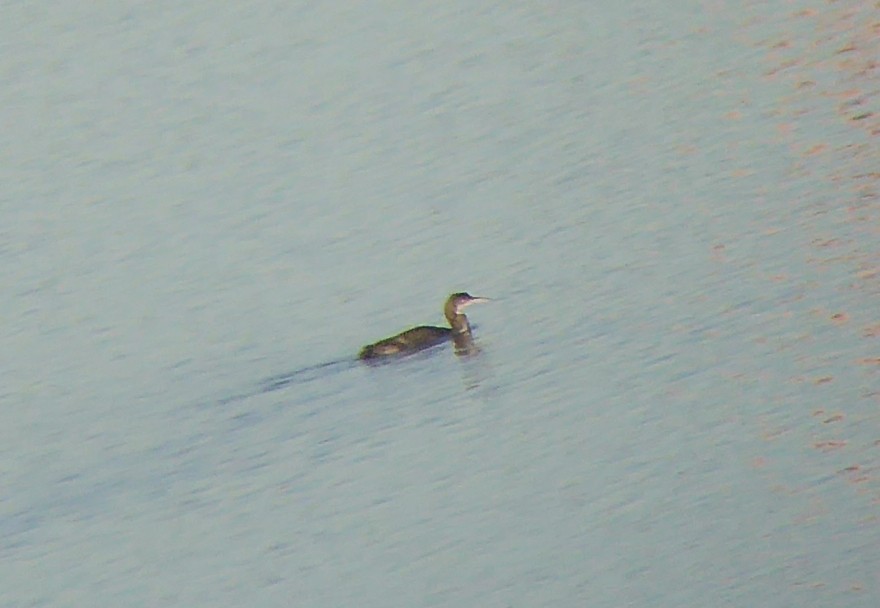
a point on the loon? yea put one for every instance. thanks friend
(426, 336)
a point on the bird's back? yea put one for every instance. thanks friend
(410, 341)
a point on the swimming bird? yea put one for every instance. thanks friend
(426, 336)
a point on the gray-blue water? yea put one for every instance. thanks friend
(674, 206)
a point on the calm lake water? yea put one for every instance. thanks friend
(207, 210)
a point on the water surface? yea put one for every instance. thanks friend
(208, 210)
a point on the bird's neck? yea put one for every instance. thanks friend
(459, 324)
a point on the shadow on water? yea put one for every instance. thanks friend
(299, 376)
(467, 351)
(474, 367)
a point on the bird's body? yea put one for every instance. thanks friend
(426, 336)
(411, 340)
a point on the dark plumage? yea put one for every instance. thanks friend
(426, 336)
